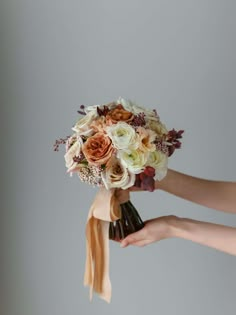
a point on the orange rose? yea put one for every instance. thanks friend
(119, 114)
(98, 149)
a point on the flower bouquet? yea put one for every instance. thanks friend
(115, 146)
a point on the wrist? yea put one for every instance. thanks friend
(183, 227)
(175, 226)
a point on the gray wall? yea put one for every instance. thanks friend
(175, 56)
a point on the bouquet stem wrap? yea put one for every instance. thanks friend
(105, 209)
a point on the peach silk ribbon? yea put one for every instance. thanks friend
(105, 208)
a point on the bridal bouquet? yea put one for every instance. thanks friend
(115, 146)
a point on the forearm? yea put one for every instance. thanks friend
(217, 195)
(217, 236)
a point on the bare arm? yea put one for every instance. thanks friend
(220, 237)
(217, 236)
(217, 195)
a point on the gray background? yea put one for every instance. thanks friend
(176, 56)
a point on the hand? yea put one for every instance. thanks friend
(153, 231)
(135, 188)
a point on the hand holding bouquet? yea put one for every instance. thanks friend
(116, 145)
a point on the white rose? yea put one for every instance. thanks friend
(134, 160)
(93, 108)
(123, 136)
(151, 114)
(73, 151)
(116, 175)
(159, 161)
(82, 127)
(130, 106)
(158, 127)
(136, 109)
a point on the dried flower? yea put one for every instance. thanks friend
(172, 140)
(161, 146)
(59, 142)
(138, 120)
(81, 111)
(103, 111)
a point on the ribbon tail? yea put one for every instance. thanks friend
(97, 259)
(104, 209)
(89, 269)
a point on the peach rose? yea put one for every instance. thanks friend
(146, 138)
(116, 175)
(119, 114)
(98, 149)
(98, 124)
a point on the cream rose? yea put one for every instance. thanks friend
(134, 160)
(74, 145)
(146, 138)
(130, 106)
(158, 127)
(98, 124)
(159, 161)
(93, 108)
(136, 109)
(123, 136)
(70, 141)
(116, 175)
(82, 127)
